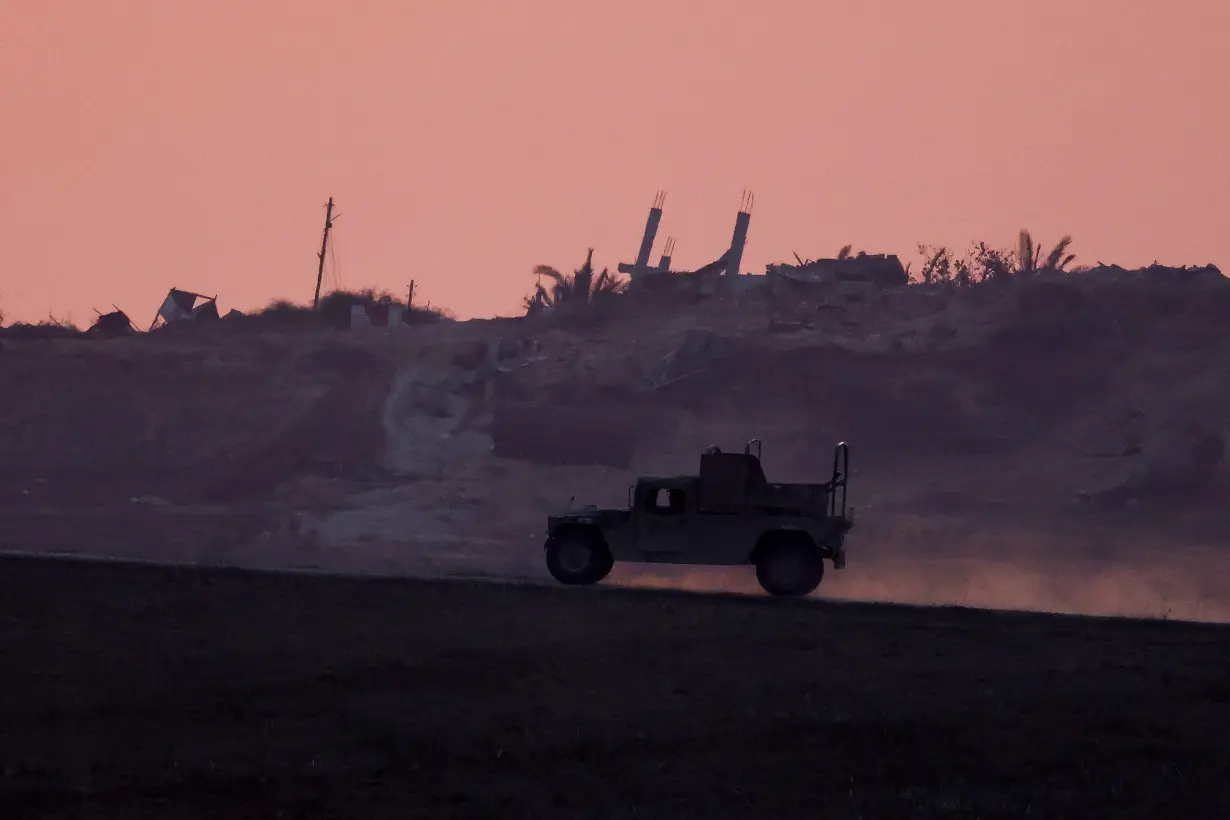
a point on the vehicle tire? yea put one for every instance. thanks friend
(577, 557)
(789, 567)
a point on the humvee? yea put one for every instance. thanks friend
(727, 515)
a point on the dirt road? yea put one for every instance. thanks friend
(143, 692)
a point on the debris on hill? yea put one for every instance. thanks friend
(835, 286)
(112, 325)
(185, 306)
(380, 314)
(341, 310)
(369, 308)
(881, 270)
(1101, 273)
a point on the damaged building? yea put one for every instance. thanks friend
(185, 306)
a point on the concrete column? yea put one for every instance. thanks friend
(742, 220)
(651, 232)
(664, 264)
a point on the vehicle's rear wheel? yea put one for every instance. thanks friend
(790, 566)
(578, 557)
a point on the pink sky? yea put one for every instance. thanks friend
(150, 144)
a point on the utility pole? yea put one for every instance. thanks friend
(410, 295)
(324, 243)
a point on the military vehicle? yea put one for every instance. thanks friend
(727, 515)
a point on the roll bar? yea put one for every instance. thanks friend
(841, 475)
(747, 449)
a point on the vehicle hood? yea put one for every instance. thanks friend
(589, 515)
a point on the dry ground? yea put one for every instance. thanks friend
(145, 692)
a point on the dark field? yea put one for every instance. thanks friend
(146, 692)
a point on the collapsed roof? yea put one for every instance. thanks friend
(183, 305)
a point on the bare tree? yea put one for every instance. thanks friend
(937, 265)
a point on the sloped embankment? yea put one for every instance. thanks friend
(191, 421)
(1049, 398)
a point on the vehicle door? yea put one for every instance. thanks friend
(663, 517)
(723, 538)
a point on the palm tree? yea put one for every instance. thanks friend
(1029, 257)
(1059, 258)
(581, 289)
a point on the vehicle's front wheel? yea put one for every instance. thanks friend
(790, 566)
(577, 557)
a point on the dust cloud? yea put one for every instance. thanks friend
(1160, 583)
(1168, 586)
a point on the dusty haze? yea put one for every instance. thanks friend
(152, 144)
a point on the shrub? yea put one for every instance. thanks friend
(982, 263)
(579, 291)
(334, 310)
(50, 328)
